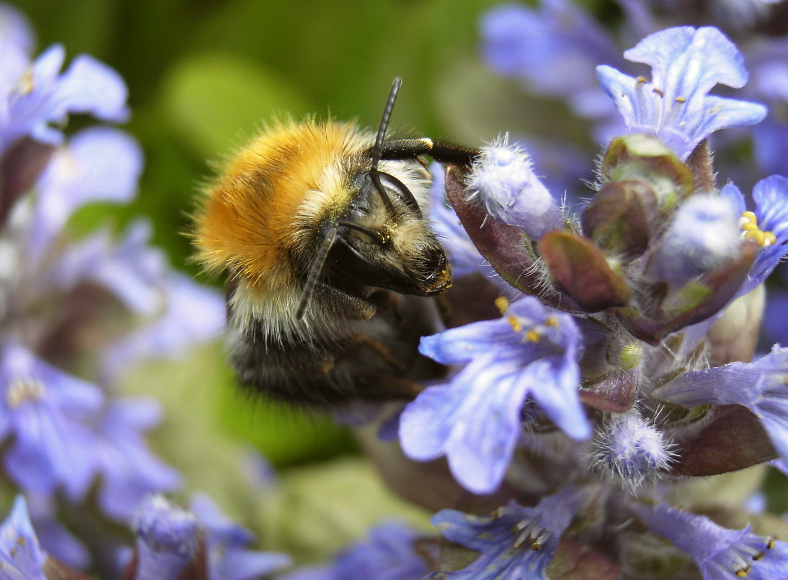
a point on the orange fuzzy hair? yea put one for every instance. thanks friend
(271, 198)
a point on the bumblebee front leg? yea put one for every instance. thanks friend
(438, 150)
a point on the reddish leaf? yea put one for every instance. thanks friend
(581, 270)
(733, 440)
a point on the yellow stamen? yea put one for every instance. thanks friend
(756, 236)
(21, 390)
(752, 232)
(514, 323)
(551, 321)
(533, 336)
(502, 304)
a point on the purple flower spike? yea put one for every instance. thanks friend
(21, 557)
(45, 410)
(514, 542)
(720, 553)
(475, 419)
(675, 105)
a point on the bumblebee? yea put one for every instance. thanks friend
(330, 260)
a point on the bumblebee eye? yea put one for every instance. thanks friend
(387, 188)
(365, 234)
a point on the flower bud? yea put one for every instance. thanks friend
(503, 181)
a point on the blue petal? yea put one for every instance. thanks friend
(98, 164)
(21, 557)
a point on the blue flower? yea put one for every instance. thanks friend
(475, 419)
(767, 226)
(515, 542)
(21, 556)
(554, 50)
(720, 553)
(463, 255)
(228, 557)
(130, 472)
(130, 268)
(675, 105)
(97, 164)
(168, 539)
(388, 553)
(41, 96)
(53, 536)
(45, 410)
(761, 386)
(769, 84)
(192, 314)
(503, 181)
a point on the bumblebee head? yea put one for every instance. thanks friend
(381, 239)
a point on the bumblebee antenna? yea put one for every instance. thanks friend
(377, 151)
(331, 234)
(317, 266)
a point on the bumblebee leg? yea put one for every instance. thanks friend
(438, 150)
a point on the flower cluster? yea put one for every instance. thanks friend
(623, 366)
(76, 313)
(619, 376)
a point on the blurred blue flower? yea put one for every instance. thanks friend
(96, 164)
(475, 419)
(703, 237)
(514, 542)
(130, 471)
(720, 553)
(675, 105)
(174, 330)
(388, 553)
(53, 536)
(463, 256)
(44, 410)
(130, 268)
(168, 539)
(41, 96)
(21, 556)
(226, 542)
(554, 49)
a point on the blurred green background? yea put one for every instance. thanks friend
(204, 75)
